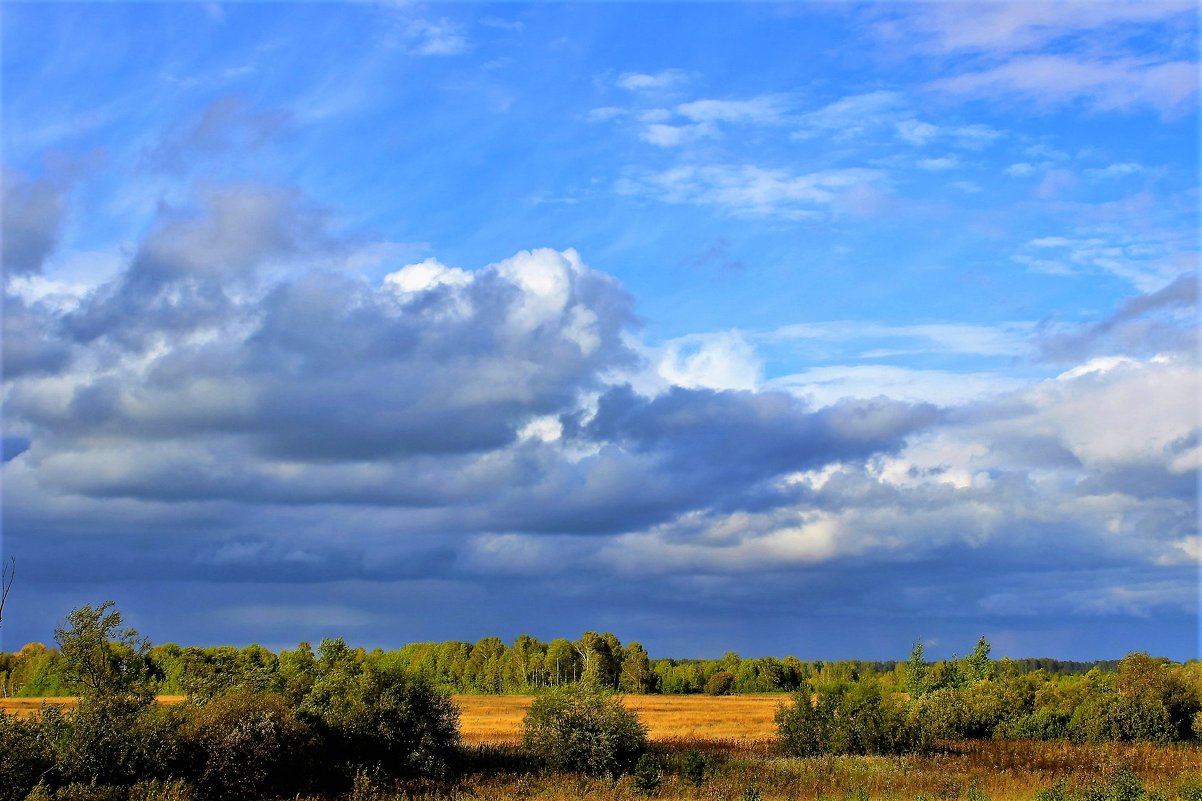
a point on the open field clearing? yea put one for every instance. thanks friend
(497, 719)
(739, 718)
(26, 707)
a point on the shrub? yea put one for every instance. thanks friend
(101, 744)
(865, 721)
(720, 683)
(851, 719)
(381, 719)
(804, 727)
(693, 767)
(584, 730)
(25, 754)
(1046, 724)
(648, 776)
(243, 745)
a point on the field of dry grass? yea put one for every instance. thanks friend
(734, 718)
(27, 707)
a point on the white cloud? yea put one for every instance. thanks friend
(1119, 85)
(642, 82)
(939, 164)
(1118, 170)
(426, 275)
(853, 114)
(865, 338)
(712, 361)
(1019, 169)
(1147, 261)
(753, 191)
(758, 110)
(674, 135)
(435, 38)
(1014, 27)
(824, 386)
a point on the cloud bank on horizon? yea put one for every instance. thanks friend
(809, 330)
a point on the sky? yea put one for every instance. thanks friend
(810, 329)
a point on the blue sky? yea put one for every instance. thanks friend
(799, 328)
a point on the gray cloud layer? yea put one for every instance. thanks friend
(236, 407)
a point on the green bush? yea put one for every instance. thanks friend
(693, 767)
(648, 776)
(26, 753)
(584, 730)
(101, 744)
(803, 727)
(850, 719)
(245, 745)
(720, 683)
(381, 719)
(1046, 724)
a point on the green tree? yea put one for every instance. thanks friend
(636, 674)
(105, 659)
(916, 672)
(977, 665)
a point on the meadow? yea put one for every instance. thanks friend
(737, 735)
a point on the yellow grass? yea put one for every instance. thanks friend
(497, 719)
(28, 707)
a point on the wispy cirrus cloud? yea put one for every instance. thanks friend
(1117, 85)
(749, 190)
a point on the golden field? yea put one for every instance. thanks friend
(747, 719)
(497, 719)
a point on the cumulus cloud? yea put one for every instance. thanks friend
(33, 213)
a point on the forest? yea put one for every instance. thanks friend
(338, 721)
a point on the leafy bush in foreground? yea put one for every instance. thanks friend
(585, 730)
(852, 719)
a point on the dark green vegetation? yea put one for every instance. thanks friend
(315, 722)
(342, 722)
(582, 729)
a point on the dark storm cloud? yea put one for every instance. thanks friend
(32, 216)
(31, 343)
(765, 433)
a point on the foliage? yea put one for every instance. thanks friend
(379, 718)
(585, 730)
(26, 753)
(245, 744)
(648, 776)
(105, 659)
(804, 727)
(693, 767)
(720, 683)
(853, 719)
(916, 672)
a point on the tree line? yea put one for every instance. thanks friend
(337, 719)
(490, 666)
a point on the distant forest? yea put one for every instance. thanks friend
(492, 667)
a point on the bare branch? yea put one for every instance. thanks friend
(6, 582)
